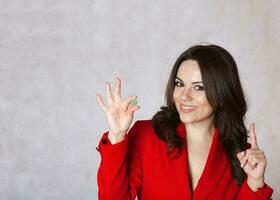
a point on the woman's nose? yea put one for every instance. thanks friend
(186, 94)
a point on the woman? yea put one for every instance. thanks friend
(194, 148)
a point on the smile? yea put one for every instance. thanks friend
(187, 109)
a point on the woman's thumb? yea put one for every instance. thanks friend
(240, 155)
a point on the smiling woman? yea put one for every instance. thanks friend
(189, 95)
(195, 147)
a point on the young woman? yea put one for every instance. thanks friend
(194, 148)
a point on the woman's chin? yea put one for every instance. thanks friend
(186, 120)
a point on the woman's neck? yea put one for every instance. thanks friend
(200, 131)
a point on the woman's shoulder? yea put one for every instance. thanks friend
(144, 123)
(143, 128)
(142, 135)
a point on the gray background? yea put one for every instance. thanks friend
(56, 54)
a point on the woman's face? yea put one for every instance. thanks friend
(189, 94)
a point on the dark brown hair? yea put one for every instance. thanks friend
(224, 93)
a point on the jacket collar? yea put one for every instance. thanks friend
(181, 130)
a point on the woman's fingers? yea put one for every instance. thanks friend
(243, 158)
(248, 156)
(132, 109)
(251, 157)
(118, 90)
(130, 105)
(126, 106)
(109, 93)
(253, 137)
(254, 160)
(101, 103)
(128, 101)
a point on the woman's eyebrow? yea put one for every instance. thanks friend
(179, 78)
(196, 82)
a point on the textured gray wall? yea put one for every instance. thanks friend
(56, 54)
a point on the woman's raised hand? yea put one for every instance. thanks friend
(119, 114)
(253, 162)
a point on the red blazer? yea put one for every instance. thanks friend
(139, 166)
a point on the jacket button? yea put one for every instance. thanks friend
(104, 141)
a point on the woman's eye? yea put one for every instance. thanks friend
(198, 87)
(178, 84)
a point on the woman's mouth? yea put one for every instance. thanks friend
(187, 109)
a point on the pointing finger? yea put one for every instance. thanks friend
(253, 137)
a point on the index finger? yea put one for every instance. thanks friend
(253, 137)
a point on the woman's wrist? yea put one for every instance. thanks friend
(115, 138)
(255, 184)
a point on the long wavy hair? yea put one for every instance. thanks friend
(224, 93)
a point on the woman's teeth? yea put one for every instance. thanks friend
(188, 107)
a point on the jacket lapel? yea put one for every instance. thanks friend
(214, 168)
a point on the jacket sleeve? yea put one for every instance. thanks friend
(119, 175)
(245, 192)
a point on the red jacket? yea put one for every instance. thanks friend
(139, 166)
